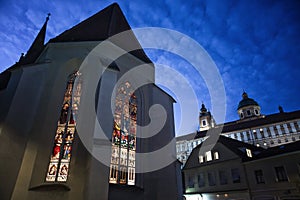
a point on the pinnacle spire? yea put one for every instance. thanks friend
(36, 47)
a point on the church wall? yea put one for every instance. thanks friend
(162, 184)
(30, 126)
(7, 94)
(17, 126)
(40, 128)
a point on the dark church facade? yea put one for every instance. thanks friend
(51, 146)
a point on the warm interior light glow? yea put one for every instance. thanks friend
(193, 197)
(249, 153)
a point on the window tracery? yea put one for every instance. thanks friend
(60, 158)
(122, 168)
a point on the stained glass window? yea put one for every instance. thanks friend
(122, 168)
(59, 164)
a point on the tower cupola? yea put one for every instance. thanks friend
(206, 120)
(248, 107)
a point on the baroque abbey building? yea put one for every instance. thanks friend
(253, 158)
(252, 127)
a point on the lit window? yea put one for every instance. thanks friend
(259, 176)
(208, 156)
(249, 153)
(265, 143)
(216, 155)
(58, 168)
(201, 159)
(281, 175)
(122, 168)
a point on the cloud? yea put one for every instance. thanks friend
(255, 44)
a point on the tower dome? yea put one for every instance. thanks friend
(246, 101)
(248, 107)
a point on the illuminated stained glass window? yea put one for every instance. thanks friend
(122, 167)
(59, 164)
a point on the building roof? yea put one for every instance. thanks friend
(99, 27)
(190, 136)
(253, 123)
(256, 122)
(279, 150)
(237, 147)
(102, 25)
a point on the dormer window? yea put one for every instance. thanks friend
(242, 115)
(208, 156)
(203, 122)
(256, 111)
(201, 159)
(249, 153)
(216, 155)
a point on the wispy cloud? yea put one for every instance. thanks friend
(255, 44)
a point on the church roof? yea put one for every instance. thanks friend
(102, 25)
(246, 101)
(99, 27)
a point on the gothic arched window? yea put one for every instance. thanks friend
(122, 167)
(59, 164)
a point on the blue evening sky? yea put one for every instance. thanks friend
(254, 44)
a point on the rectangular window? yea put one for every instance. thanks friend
(281, 175)
(216, 155)
(203, 122)
(235, 175)
(211, 178)
(223, 177)
(249, 153)
(259, 176)
(248, 112)
(208, 156)
(201, 159)
(293, 128)
(201, 180)
(191, 182)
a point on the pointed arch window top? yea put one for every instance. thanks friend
(58, 168)
(122, 168)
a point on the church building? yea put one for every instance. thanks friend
(75, 122)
